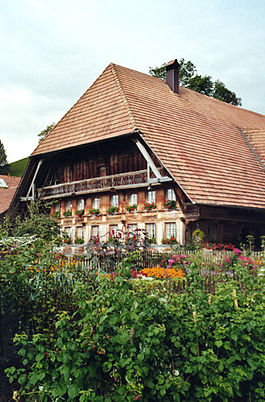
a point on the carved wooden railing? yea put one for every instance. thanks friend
(123, 180)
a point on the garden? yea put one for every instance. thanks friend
(127, 324)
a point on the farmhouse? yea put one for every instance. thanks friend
(137, 152)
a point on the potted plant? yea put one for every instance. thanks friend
(148, 206)
(79, 212)
(170, 204)
(112, 210)
(68, 213)
(131, 208)
(94, 211)
(79, 240)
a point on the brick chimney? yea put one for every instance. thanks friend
(172, 75)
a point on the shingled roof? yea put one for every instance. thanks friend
(208, 146)
(8, 186)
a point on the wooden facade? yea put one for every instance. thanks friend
(85, 183)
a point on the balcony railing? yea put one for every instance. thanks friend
(106, 183)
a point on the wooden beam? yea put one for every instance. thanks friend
(32, 185)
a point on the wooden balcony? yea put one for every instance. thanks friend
(106, 183)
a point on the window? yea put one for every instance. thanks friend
(132, 227)
(68, 205)
(133, 199)
(96, 203)
(95, 231)
(114, 200)
(151, 230)
(68, 231)
(80, 232)
(171, 195)
(80, 204)
(151, 197)
(171, 230)
(58, 206)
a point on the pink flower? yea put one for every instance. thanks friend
(171, 261)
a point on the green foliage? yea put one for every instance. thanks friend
(43, 134)
(84, 335)
(15, 168)
(189, 78)
(36, 221)
(3, 157)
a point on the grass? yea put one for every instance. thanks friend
(16, 168)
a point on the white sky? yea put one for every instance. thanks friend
(53, 50)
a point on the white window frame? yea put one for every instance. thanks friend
(80, 232)
(80, 204)
(94, 231)
(151, 196)
(132, 227)
(96, 203)
(68, 205)
(150, 229)
(114, 200)
(170, 230)
(133, 199)
(171, 195)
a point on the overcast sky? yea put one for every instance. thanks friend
(53, 50)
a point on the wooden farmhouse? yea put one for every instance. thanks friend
(135, 152)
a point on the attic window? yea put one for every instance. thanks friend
(3, 184)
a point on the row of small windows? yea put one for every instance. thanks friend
(114, 200)
(150, 228)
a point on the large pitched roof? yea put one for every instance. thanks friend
(8, 186)
(201, 141)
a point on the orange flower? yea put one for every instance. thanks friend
(163, 273)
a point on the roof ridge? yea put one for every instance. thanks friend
(125, 100)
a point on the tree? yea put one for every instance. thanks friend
(189, 78)
(3, 157)
(43, 134)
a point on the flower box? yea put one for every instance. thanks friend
(172, 240)
(79, 241)
(79, 213)
(94, 212)
(131, 208)
(112, 210)
(170, 204)
(149, 206)
(68, 213)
